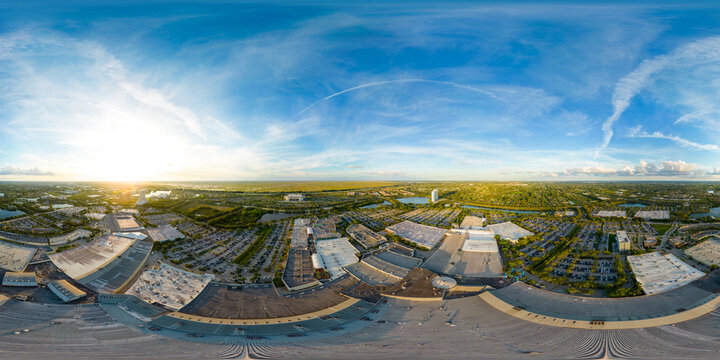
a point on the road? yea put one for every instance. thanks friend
(667, 234)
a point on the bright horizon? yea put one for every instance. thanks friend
(316, 91)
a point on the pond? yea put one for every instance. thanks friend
(633, 205)
(4, 214)
(503, 210)
(372, 206)
(713, 212)
(414, 200)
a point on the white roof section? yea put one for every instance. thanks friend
(422, 235)
(295, 197)
(127, 223)
(336, 254)
(444, 282)
(612, 213)
(706, 252)
(87, 258)
(477, 240)
(165, 232)
(622, 237)
(132, 235)
(472, 222)
(300, 233)
(15, 257)
(169, 286)
(653, 214)
(95, 216)
(317, 261)
(508, 230)
(659, 273)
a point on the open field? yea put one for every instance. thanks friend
(661, 228)
(201, 210)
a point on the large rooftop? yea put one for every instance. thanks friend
(510, 231)
(452, 260)
(706, 252)
(23, 279)
(336, 254)
(529, 298)
(423, 235)
(171, 287)
(87, 258)
(299, 237)
(262, 301)
(478, 240)
(118, 274)
(15, 257)
(366, 237)
(659, 273)
(165, 232)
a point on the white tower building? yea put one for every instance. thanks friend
(141, 197)
(434, 196)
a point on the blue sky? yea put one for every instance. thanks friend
(323, 90)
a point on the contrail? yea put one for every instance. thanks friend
(379, 83)
(628, 87)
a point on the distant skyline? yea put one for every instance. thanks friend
(163, 91)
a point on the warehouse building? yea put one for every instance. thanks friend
(66, 291)
(20, 279)
(294, 197)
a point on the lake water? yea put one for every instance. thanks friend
(632, 205)
(372, 206)
(503, 210)
(414, 200)
(4, 214)
(713, 212)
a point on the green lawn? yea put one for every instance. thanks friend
(662, 228)
(238, 218)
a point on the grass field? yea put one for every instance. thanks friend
(662, 228)
(201, 211)
(240, 218)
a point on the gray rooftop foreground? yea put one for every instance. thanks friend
(564, 306)
(117, 273)
(262, 301)
(466, 328)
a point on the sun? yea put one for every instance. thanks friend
(115, 149)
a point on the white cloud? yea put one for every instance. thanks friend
(626, 88)
(637, 132)
(642, 169)
(385, 173)
(34, 171)
(707, 117)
